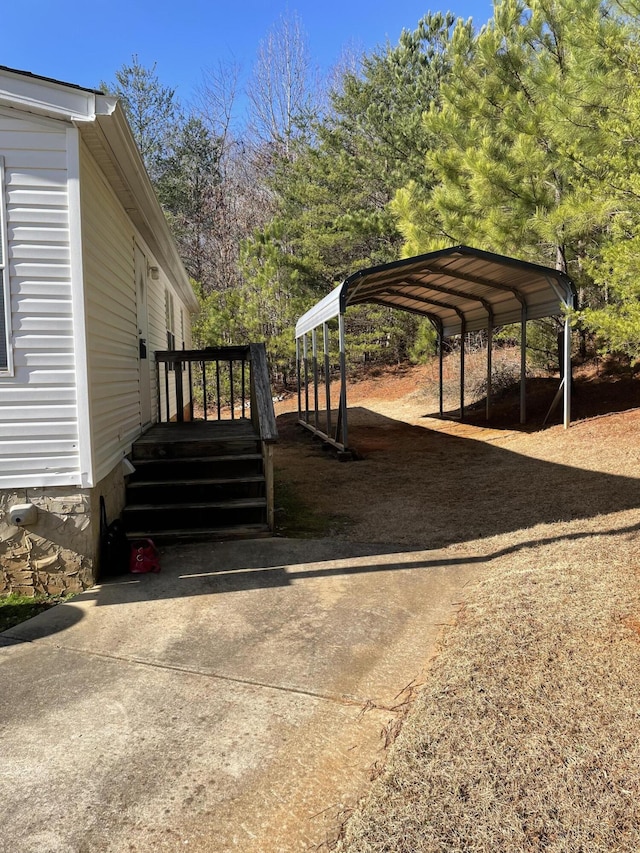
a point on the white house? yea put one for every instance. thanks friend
(91, 285)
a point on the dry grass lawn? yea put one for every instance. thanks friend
(525, 736)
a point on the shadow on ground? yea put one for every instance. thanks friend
(444, 488)
(590, 398)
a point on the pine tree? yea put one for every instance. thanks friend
(516, 122)
(152, 110)
(614, 184)
(187, 186)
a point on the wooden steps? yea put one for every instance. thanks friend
(197, 480)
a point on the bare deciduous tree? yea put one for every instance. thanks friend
(282, 91)
(240, 202)
(215, 102)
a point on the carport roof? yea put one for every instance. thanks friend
(459, 289)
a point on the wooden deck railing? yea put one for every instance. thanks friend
(220, 383)
(263, 415)
(207, 384)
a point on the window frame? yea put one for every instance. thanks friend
(5, 288)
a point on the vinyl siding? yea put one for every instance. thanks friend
(109, 240)
(112, 339)
(38, 403)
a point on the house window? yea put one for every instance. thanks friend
(5, 303)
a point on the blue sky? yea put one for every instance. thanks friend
(85, 42)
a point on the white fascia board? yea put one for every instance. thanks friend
(322, 312)
(45, 97)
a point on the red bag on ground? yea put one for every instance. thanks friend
(144, 557)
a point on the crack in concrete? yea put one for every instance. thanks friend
(365, 705)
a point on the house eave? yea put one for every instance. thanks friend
(43, 96)
(104, 129)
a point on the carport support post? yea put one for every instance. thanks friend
(305, 358)
(314, 351)
(523, 366)
(463, 333)
(567, 371)
(299, 378)
(441, 368)
(343, 382)
(327, 375)
(489, 367)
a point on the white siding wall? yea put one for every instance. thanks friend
(157, 336)
(112, 331)
(38, 413)
(109, 238)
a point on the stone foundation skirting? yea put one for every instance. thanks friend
(58, 553)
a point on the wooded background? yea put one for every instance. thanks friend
(520, 138)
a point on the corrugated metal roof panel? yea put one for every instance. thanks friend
(451, 285)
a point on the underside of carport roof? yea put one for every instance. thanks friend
(460, 290)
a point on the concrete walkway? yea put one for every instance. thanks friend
(236, 701)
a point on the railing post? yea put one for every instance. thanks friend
(263, 418)
(244, 362)
(166, 389)
(267, 458)
(233, 414)
(177, 369)
(205, 402)
(158, 395)
(218, 387)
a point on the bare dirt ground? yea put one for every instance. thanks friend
(428, 482)
(524, 736)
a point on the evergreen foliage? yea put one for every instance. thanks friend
(520, 138)
(188, 178)
(152, 109)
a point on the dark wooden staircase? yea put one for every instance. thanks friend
(206, 479)
(197, 480)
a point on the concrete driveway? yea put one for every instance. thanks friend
(236, 701)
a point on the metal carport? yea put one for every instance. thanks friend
(460, 290)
